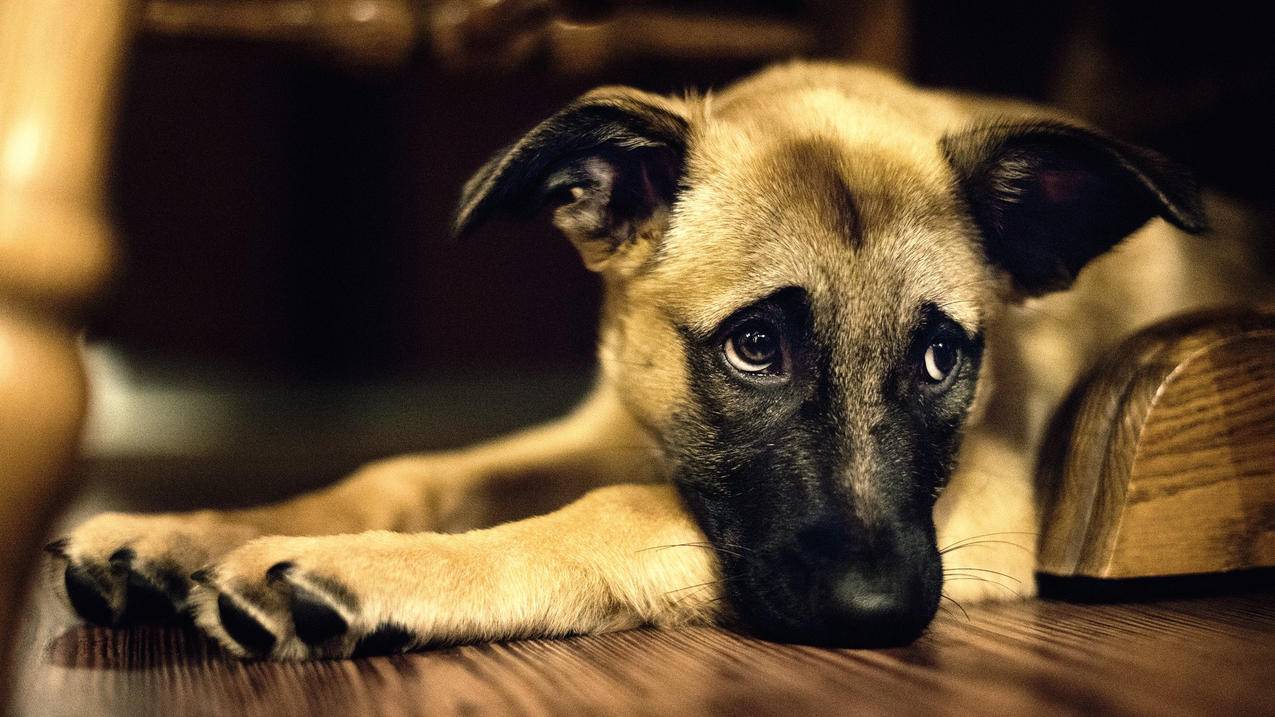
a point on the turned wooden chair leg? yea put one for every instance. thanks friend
(58, 65)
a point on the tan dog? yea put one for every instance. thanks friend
(816, 372)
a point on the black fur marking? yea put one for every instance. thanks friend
(764, 467)
(620, 128)
(244, 628)
(808, 171)
(386, 639)
(938, 414)
(314, 619)
(1049, 197)
(144, 602)
(86, 596)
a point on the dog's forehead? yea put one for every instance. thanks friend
(861, 228)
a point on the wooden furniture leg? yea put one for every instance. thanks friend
(58, 64)
(1163, 463)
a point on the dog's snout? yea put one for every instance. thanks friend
(824, 541)
(874, 609)
(853, 587)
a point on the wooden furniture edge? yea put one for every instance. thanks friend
(1160, 462)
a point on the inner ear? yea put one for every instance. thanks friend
(604, 201)
(1049, 197)
(606, 166)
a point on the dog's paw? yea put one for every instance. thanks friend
(290, 598)
(119, 569)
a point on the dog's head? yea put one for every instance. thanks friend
(799, 278)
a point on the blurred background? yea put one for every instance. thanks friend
(289, 303)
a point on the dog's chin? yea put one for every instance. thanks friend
(841, 611)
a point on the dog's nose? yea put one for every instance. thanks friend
(863, 608)
(866, 592)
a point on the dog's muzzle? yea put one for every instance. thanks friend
(829, 586)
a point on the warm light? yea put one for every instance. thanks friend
(364, 11)
(22, 150)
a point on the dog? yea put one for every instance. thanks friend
(838, 313)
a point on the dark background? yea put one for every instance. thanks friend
(285, 215)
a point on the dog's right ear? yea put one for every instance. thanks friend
(607, 165)
(1050, 196)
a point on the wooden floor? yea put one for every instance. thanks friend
(1210, 656)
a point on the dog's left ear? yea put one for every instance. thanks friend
(1049, 197)
(607, 165)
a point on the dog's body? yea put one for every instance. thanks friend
(813, 285)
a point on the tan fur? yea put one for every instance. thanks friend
(624, 556)
(550, 575)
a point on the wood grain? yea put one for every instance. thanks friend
(1187, 656)
(1165, 460)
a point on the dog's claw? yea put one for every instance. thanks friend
(118, 569)
(57, 548)
(122, 559)
(281, 609)
(279, 571)
(118, 592)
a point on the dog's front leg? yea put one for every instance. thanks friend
(119, 568)
(620, 557)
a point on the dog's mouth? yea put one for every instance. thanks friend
(819, 588)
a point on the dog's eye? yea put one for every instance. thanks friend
(754, 348)
(941, 358)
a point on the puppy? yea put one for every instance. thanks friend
(826, 359)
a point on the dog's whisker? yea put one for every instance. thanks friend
(981, 570)
(697, 590)
(993, 533)
(708, 544)
(958, 606)
(705, 601)
(679, 600)
(735, 546)
(945, 551)
(705, 546)
(697, 585)
(985, 580)
(988, 535)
